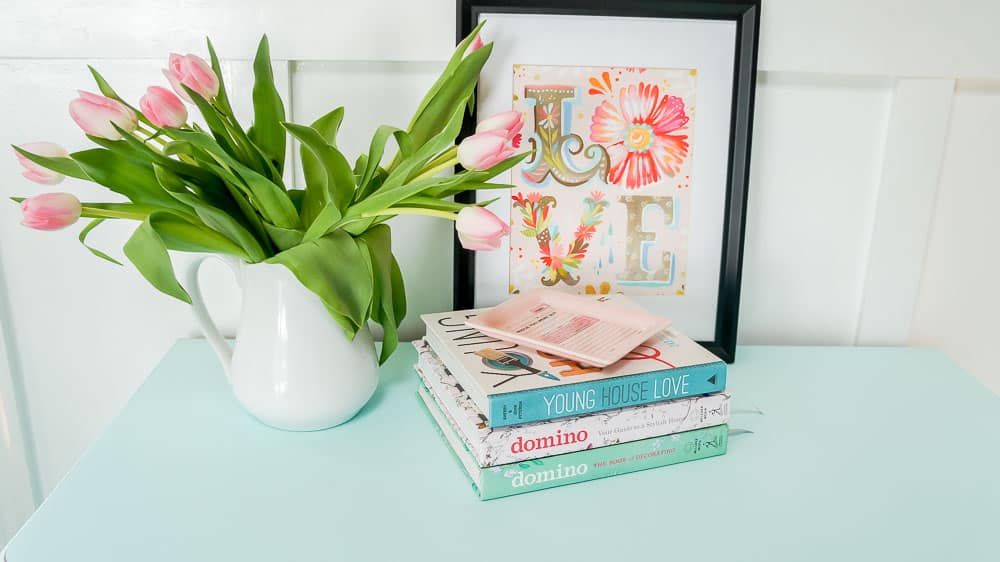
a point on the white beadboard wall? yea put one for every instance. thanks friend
(870, 216)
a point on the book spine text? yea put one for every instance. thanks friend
(581, 466)
(597, 396)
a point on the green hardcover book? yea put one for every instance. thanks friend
(571, 468)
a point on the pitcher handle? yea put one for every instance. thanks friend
(201, 314)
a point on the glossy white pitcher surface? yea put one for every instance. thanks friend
(292, 366)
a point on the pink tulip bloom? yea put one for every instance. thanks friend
(193, 72)
(50, 211)
(36, 173)
(476, 44)
(163, 108)
(479, 229)
(95, 115)
(508, 122)
(484, 150)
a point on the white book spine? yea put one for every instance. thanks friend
(518, 443)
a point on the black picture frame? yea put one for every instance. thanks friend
(746, 15)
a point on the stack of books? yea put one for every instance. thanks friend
(519, 420)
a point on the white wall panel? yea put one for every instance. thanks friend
(16, 487)
(299, 29)
(882, 37)
(911, 166)
(958, 306)
(926, 38)
(814, 176)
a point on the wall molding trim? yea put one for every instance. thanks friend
(20, 486)
(911, 167)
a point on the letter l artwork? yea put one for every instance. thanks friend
(548, 158)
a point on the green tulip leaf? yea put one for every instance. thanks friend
(375, 152)
(128, 211)
(453, 95)
(329, 125)
(268, 109)
(406, 168)
(126, 176)
(325, 220)
(149, 254)
(357, 227)
(269, 199)
(230, 136)
(333, 174)
(216, 125)
(359, 166)
(404, 142)
(298, 197)
(206, 184)
(449, 70)
(398, 291)
(214, 218)
(83, 240)
(222, 98)
(335, 269)
(185, 235)
(109, 92)
(377, 242)
(424, 202)
(283, 238)
(234, 191)
(388, 197)
(342, 320)
(64, 166)
(316, 193)
(476, 180)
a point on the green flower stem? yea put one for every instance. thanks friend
(148, 135)
(145, 131)
(391, 211)
(443, 157)
(432, 171)
(95, 213)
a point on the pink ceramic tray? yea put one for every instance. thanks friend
(584, 329)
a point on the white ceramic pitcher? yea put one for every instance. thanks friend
(292, 366)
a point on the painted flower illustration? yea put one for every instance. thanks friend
(548, 116)
(641, 135)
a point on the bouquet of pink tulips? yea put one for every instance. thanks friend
(219, 188)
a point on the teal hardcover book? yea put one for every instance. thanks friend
(581, 466)
(515, 385)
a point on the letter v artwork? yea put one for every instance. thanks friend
(603, 205)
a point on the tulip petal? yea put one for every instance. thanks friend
(36, 172)
(95, 115)
(480, 230)
(176, 85)
(50, 211)
(477, 244)
(479, 148)
(92, 120)
(163, 108)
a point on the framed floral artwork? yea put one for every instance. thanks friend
(639, 117)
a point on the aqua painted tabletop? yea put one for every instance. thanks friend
(856, 454)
